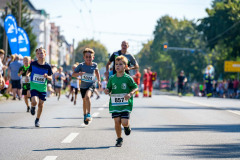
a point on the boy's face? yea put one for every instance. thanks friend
(1, 56)
(26, 61)
(120, 66)
(40, 54)
(88, 57)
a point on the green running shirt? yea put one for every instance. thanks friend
(118, 87)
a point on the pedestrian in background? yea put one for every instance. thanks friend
(181, 82)
(15, 79)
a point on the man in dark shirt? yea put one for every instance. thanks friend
(181, 81)
(132, 63)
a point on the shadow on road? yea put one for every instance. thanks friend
(72, 149)
(231, 150)
(186, 128)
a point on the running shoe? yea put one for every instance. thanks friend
(98, 97)
(37, 124)
(71, 99)
(75, 102)
(67, 96)
(89, 117)
(33, 111)
(119, 142)
(85, 120)
(127, 130)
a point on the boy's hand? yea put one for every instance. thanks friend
(99, 84)
(81, 73)
(27, 79)
(106, 91)
(45, 75)
(127, 96)
(21, 72)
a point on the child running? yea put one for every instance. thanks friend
(59, 77)
(40, 72)
(87, 70)
(25, 82)
(74, 86)
(121, 88)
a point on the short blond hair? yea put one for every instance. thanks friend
(123, 59)
(26, 57)
(40, 48)
(2, 51)
(88, 50)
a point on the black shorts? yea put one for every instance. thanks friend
(84, 90)
(75, 89)
(59, 87)
(122, 115)
(40, 95)
(24, 91)
(16, 84)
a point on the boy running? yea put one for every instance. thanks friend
(25, 82)
(121, 88)
(59, 78)
(87, 70)
(40, 73)
(74, 86)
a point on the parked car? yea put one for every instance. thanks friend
(165, 84)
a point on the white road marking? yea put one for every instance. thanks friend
(50, 158)
(100, 109)
(203, 104)
(70, 138)
(95, 114)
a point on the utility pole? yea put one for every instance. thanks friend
(20, 13)
(5, 39)
(73, 53)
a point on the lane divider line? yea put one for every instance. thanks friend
(50, 158)
(70, 138)
(206, 105)
(100, 109)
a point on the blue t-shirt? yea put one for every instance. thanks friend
(14, 68)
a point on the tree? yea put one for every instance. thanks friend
(221, 32)
(182, 34)
(100, 50)
(26, 24)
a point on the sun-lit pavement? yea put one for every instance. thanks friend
(163, 127)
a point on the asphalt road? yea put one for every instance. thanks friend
(163, 127)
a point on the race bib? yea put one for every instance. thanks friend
(24, 79)
(86, 77)
(74, 81)
(38, 78)
(118, 100)
(58, 83)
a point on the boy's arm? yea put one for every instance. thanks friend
(130, 94)
(47, 76)
(98, 77)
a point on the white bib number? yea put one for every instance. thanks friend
(118, 100)
(58, 83)
(74, 81)
(38, 78)
(86, 77)
(24, 78)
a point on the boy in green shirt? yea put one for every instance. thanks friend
(25, 82)
(121, 88)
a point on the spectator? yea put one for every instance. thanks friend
(235, 87)
(230, 88)
(15, 79)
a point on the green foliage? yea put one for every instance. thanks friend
(25, 24)
(221, 31)
(101, 55)
(178, 33)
